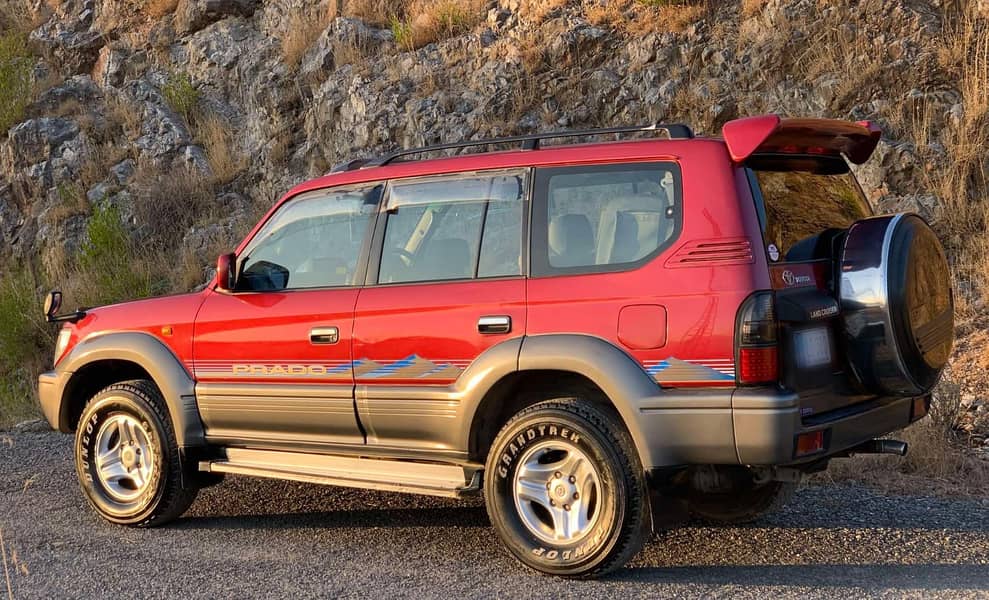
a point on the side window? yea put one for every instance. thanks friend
(603, 218)
(453, 228)
(313, 241)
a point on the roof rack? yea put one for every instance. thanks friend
(529, 142)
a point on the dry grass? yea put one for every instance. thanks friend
(962, 180)
(937, 460)
(536, 11)
(351, 51)
(375, 12)
(425, 21)
(225, 159)
(639, 17)
(302, 26)
(123, 116)
(751, 8)
(99, 157)
(160, 8)
(167, 203)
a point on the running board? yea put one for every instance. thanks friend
(432, 479)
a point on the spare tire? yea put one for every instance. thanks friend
(896, 304)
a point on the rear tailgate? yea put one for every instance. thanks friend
(806, 198)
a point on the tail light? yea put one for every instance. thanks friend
(756, 340)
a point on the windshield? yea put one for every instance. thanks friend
(795, 206)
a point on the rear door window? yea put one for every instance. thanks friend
(451, 228)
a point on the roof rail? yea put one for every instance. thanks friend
(529, 142)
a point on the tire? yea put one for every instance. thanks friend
(554, 440)
(742, 505)
(128, 423)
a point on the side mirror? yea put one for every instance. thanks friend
(225, 275)
(53, 302)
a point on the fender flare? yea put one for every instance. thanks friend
(148, 352)
(617, 374)
(620, 377)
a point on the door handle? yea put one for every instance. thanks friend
(494, 324)
(324, 335)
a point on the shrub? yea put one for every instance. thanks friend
(108, 267)
(225, 161)
(167, 203)
(181, 95)
(24, 334)
(16, 90)
(25, 343)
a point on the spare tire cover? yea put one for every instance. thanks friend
(896, 304)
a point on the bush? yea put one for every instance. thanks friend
(24, 334)
(25, 344)
(108, 268)
(16, 63)
(181, 95)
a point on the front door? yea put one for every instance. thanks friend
(272, 359)
(445, 285)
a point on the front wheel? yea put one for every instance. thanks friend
(565, 491)
(127, 458)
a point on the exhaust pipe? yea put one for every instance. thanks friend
(881, 447)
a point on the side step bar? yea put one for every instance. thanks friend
(449, 481)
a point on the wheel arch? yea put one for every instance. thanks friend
(103, 360)
(562, 362)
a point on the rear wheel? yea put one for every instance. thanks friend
(127, 458)
(565, 491)
(746, 503)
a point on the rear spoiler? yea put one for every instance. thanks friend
(770, 134)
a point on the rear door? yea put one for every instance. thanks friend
(273, 358)
(601, 236)
(445, 285)
(805, 206)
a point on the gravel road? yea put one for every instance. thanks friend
(255, 538)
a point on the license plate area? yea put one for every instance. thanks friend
(812, 347)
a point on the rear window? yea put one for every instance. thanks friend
(794, 206)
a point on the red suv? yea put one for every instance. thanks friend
(600, 338)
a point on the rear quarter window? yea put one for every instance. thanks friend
(601, 218)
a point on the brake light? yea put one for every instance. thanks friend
(756, 340)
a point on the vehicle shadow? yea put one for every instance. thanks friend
(455, 516)
(817, 576)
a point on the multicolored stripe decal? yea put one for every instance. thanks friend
(665, 371)
(675, 370)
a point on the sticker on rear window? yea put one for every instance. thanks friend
(774, 252)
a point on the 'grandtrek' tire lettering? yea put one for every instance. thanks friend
(530, 435)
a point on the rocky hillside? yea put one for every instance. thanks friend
(143, 137)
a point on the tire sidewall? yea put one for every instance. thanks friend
(503, 463)
(104, 406)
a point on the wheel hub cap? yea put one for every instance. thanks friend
(556, 491)
(124, 460)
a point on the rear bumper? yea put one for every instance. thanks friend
(766, 424)
(50, 386)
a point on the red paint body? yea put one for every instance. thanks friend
(692, 290)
